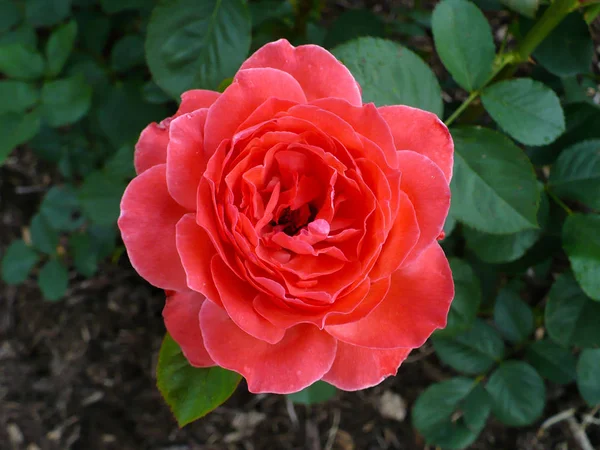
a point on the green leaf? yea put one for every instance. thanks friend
(43, 236)
(59, 208)
(588, 375)
(16, 129)
(45, 13)
(467, 298)
(408, 29)
(94, 30)
(451, 414)
(354, 23)
(59, 47)
(583, 123)
(85, 258)
(9, 15)
(528, 8)
(318, 392)
(120, 165)
(17, 262)
(513, 317)
(501, 248)
(571, 317)
(123, 114)
(103, 240)
(193, 44)
(17, 96)
(391, 74)
(463, 39)
(265, 10)
(152, 93)
(100, 196)
(23, 35)
(95, 74)
(578, 89)
(127, 53)
(191, 392)
(65, 101)
(472, 352)
(116, 6)
(526, 109)
(518, 393)
(576, 173)
(21, 62)
(449, 226)
(552, 361)
(53, 280)
(494, 182)
(568, 49)
(581, 241)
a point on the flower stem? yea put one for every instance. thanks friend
(557, 11)
(558, 201)
(461, 108)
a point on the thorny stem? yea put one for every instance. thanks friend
(557, 11)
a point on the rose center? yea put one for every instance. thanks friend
(293, 221)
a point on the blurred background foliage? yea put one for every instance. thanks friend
(79, 80)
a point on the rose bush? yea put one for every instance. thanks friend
(293, 227)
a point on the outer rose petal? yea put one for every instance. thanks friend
(250, 88)
(196, 99)
(181, 314)
(302, 357)
(151, 147)
(416, 304)
(185, 158)
(196, 251)
(147, 224)
(319, 73)
(422, 132)
(429, 193)
(403, 237)
(357, 368)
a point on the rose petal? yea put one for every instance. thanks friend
(422, 132)
(403, 236)
(185, 159)
(237, 297)
(302, 357)
(147, 224)
(249, 89)
(319, 73)
(151, 147)
(416, 304)
(357, 368)
(181, 314)
(365, 120)
(196, 251)
(195, 99)
(429, 193)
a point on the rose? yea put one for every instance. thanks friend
(294, 228)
